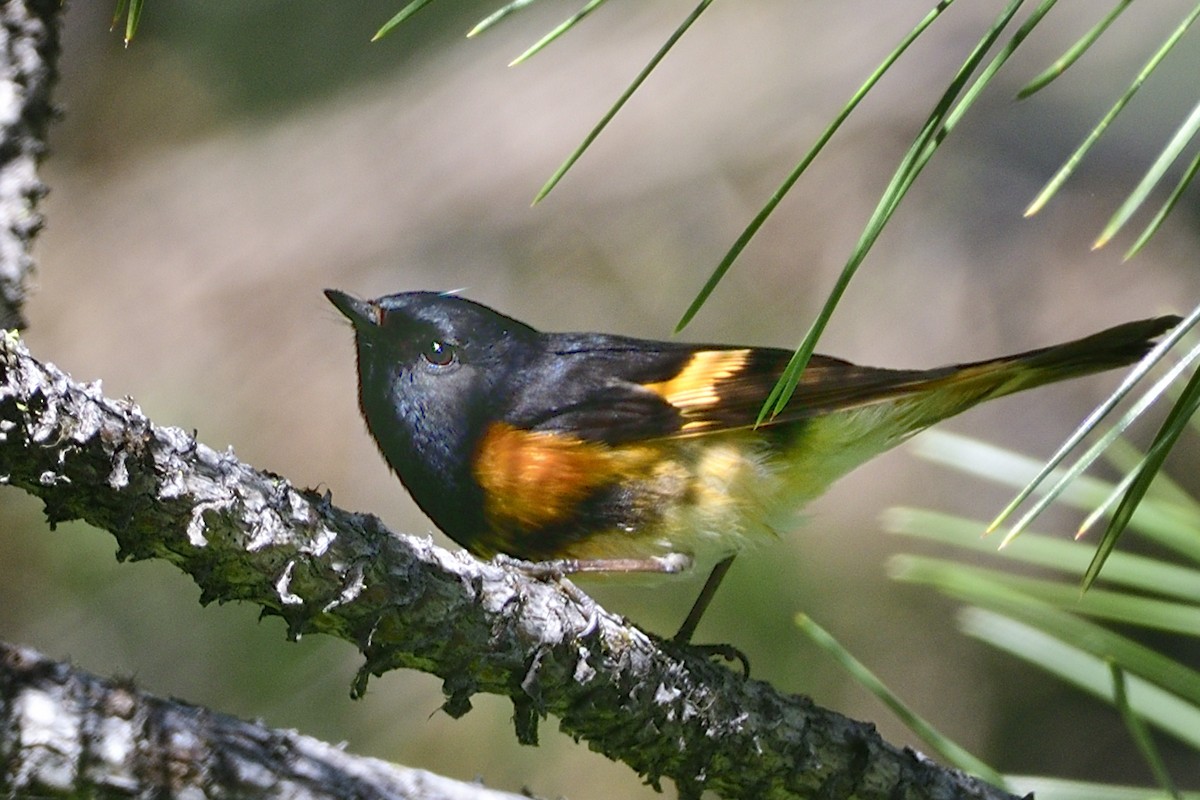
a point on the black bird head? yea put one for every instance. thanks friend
(428, 364)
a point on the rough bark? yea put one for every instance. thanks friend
(28, 55)
(65, 733)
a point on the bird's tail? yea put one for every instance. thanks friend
(1109, 349)
(870, 410)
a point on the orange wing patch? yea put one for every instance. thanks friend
(532, 479)
(696, 387)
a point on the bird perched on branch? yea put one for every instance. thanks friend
(604, 453)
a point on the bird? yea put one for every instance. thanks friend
(595, 452)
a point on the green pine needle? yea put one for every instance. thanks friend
(761, 217)
(612, 112)
(1184, 135)
(1137, 658)
(945, 116)
(562, 28)
(946, 747)
(1136, 573)
(1062, 481)
(1125, 457)
(1157, 222)
(1074, 52)
(497, 15)
(1077, 664)
(134, 17)
(1139, 733)
(1152, 613)
(1089, 424)
(401, 16)
(1175, 423)
(1114, 496)
(1065, 171)
(122, 7)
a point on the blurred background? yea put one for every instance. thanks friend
(211, 179)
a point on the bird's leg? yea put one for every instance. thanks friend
(669, 564)
(715, 577)
(684, 636)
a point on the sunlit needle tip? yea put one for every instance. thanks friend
(1007, 540)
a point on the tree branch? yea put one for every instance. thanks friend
(28, 55)
(248, 535)
(65, 733)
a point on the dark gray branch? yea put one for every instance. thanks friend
(65, 733)
(248, 535)
(28, 55)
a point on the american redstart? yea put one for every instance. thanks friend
(606, 453)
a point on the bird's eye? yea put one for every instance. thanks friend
(439, 354)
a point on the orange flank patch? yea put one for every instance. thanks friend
(532, 479)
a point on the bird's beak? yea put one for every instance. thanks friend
(361, 313)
